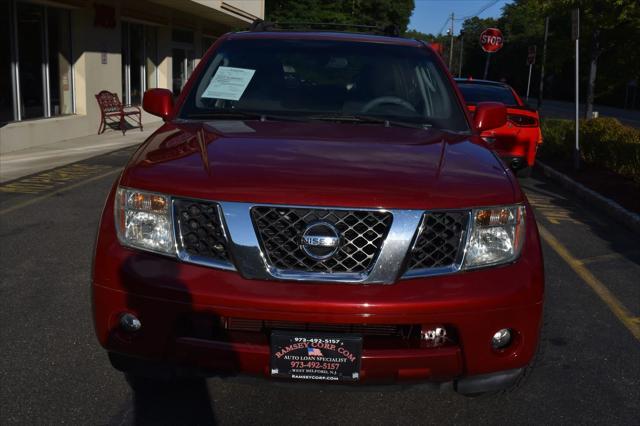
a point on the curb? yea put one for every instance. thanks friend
(606, 205)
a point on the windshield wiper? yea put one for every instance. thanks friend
(369, 119)
(241, 115)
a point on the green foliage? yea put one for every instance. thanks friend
(358, 12)
(558, 137)
(608, 144)
(419, 36)
(617, 23)
(604, 142)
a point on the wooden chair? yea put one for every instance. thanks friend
(113, 112)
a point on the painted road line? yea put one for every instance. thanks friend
(596, 285)
(608, 256)
(56, 192)
(553, 213)
(49, 180)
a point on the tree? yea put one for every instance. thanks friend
(608, 25)
(609, 33)
(429, 38)
(381, 13)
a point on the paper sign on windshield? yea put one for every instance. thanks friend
(228, 83)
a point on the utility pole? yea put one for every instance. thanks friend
(575, 35)
(529, 82)
(544, 58)
(531, 59)
(486, 66)
(461, 49)
(451, 48)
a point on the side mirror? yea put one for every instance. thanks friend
(158, 102)
(489, 115)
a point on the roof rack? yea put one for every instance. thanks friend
(260, 26)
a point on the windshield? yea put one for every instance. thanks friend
(474, 93)
(320, 79)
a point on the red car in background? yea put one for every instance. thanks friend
(516, 142)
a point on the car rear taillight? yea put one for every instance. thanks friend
(522, 120)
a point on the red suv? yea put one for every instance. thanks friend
(319, 207)
(517, 141)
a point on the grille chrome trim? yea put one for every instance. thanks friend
(252, 263)
(360, 232)
(181, 250)
(247, 258)
(456, 266)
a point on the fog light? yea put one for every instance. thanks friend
(435, 336)
(501, 339)
(130, 323)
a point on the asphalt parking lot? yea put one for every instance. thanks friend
(53, 371)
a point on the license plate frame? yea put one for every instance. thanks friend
(311, 356)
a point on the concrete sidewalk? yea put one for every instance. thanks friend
(14, 165)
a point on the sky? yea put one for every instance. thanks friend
(429, 16)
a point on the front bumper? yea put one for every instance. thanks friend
(159, 339)
(165, 293)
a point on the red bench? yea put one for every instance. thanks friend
(113, 112)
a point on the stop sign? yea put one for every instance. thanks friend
(491, 40)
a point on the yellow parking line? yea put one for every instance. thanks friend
(596, 285)
(53, 178)
(61, 190)
(608, 256)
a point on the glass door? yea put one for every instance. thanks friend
(183, 61)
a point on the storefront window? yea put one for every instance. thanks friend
(206, 44)
(139, 61)
(182, 57)
(39, 71)
(31, 59)
(151, 53)
(183, 62)
(6, 86)
(182, 36)
(59, 62)
(136, 40)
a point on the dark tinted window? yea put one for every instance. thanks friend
(474, 93)
(6, 86)
(308, 78)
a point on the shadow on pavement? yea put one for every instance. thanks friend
(188, 402)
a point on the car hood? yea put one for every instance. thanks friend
(320, 163)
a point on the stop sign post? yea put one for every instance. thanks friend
(491, 41)
(531, 59)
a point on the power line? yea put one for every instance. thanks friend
(444, 25)
(482, 9)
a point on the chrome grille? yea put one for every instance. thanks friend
(200, 230)
(280, 232)
(440, 239)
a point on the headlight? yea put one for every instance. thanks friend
(497, 236)
(144, 220)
